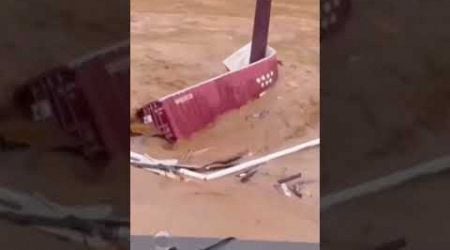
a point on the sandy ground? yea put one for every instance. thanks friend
(384, 112)
(30, 44)
(179, 43)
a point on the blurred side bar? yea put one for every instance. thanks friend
(87, 97)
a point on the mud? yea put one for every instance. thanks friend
(177, 44)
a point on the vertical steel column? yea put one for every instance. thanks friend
(260, 30)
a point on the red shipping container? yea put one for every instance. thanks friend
(183, 113)
(104, 83)
(88, 97)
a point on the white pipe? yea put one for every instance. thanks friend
(252, 163)
(386, 182)
(161, 172)
(147, 160)
(246, 165)
(232, 170)
(193, 174)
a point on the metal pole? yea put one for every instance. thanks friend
(260, 30)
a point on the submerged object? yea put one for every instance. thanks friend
(87, 97)
(179, 115)
(251, 71)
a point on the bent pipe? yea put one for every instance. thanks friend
(240, 167)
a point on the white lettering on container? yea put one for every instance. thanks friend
(184, 98)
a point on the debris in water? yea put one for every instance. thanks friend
(290, 178)
(296, 189)
(181, 120)
(231, 169)
(247, 176)
(221, 164)
(259, 115)
(286, 190)
(90, 114)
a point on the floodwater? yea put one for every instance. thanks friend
(175, 44)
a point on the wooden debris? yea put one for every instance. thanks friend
(225, 162)
(247, 176)
(290, 178)
(290, 189)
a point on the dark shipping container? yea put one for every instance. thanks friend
(88, 97)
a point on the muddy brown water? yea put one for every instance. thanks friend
(177, 44)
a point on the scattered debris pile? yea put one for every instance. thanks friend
(288, 190)
(173, 169)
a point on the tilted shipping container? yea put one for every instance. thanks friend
(179, 115)
(88, 97)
